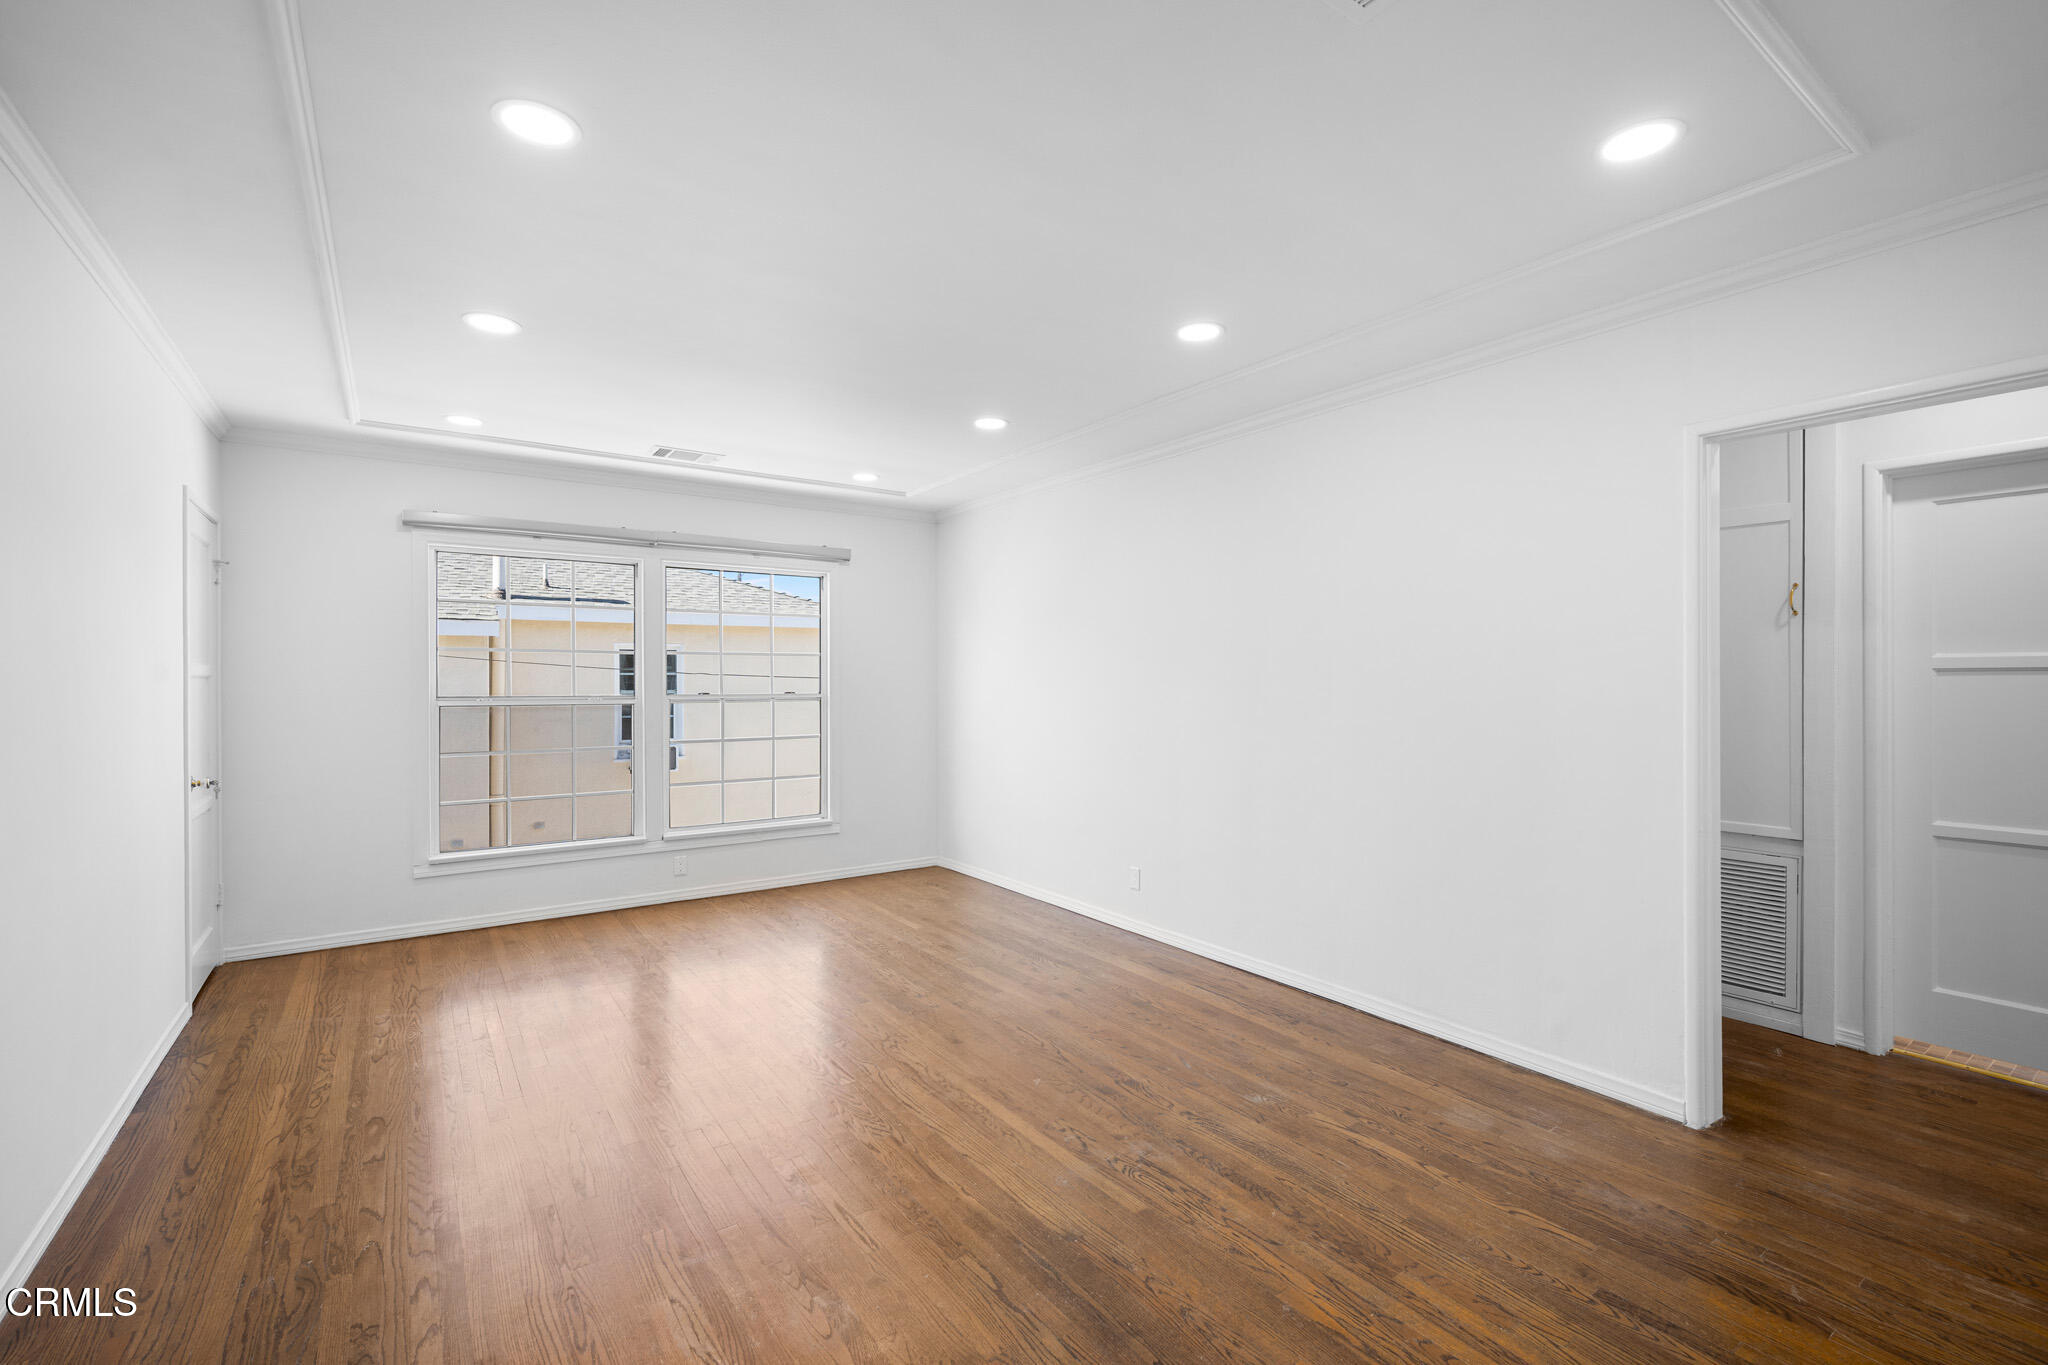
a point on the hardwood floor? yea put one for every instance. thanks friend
(916, 1118)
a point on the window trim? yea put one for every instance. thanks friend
(651, 834)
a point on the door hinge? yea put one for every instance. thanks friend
(218, 565)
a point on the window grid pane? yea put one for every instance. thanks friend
(746, 717)
(492, 756)
(743, 633)
(548, 642)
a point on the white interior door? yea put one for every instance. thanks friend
(1969, 824)
(202, 745)
(1762, 553)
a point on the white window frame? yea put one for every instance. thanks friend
(651, 834)
(826, 820)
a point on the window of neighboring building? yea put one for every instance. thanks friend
(747, 704)
(627, 682)
(531, 697)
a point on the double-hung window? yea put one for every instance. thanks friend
(552, 726)
(747, 704)
(531, 701)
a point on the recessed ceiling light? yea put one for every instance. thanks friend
(865, 477)
(1645, 139)
(536, 123)
(463, 419)
(491, 323)
(990, 423)
(1200, 331)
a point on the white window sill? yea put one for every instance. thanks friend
(498, 860)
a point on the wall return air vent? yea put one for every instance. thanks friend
(1760, 928)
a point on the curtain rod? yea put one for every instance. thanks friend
(619, 535)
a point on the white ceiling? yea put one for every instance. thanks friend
(822, 238)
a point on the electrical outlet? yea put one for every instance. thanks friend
(1137, 879)
(682, 865)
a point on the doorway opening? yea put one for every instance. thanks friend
(1872, 690)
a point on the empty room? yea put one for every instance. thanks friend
(1245, 681)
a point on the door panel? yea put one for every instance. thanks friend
(1988, 549)
(1969, 830)
(1987, 901)
(202, 746)
(1762, 746)
(1990, 750)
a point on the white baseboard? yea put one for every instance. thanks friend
(422, 929)
(1749, 1012)
(31, 1251)
(1666, 1105)
(1849, 1037)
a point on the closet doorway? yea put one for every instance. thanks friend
(1872, 844)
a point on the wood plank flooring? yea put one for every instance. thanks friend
(917, 1118)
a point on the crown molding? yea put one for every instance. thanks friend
(287, 40)
(554, 463)
(1435, 303)
(1414, 312)
(1965, 211)
(26, 160)
(1751, 19)
(1755, 21)
(716, 473)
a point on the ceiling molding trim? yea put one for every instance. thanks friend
(288, 44)
(1421, 309)
(1755, 21)
(1951, 215)
(1756, 24)
(25, 159)
(714, 473)
(604, 470)
(1749, 16)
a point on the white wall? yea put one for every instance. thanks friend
(325, 771)
(1390, 699)
(1836, 457)
(96, 445)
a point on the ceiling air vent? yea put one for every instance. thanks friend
(1760, 928)
(682, 456)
